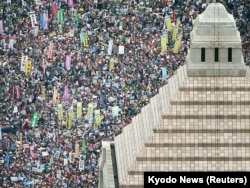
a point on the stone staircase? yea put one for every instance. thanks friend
(206, 128)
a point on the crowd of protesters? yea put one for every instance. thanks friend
(41, 155)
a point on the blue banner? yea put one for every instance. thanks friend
(41, 23)
(164, 73)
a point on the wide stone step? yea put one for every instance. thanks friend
(207, 112)
(194, 153)
(133, 181)
(166, 125)
(189, 165)
(211, 98)
(213, 88)
(193, 139)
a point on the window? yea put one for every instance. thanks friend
(229, 57)
(203, 55)
(216, 55)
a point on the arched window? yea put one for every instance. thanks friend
(229, 55)
(203, 55)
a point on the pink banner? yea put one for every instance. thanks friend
(18, 93)
(66, 93)
(70, 3)
(67, 62)
(1, 27)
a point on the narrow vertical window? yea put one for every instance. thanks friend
(229, 55)
(203, 55)
(216, 55)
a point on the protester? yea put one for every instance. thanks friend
(74, 73)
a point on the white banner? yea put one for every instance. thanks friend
(81, 165)
(65, 161)
(33, 19)
(110, 48)
(121, 50)
(23, 61)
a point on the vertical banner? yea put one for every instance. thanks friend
(1, 27)
(67, 62)
(71, 157)
(111, 64)
(18, 93)
(174, 34)
(70, 117)
(169, 24)
(21, 140)
(33, 19)
(55, 93)
(66, 93)
(11, 42)
(163, 43)
(43, 90)
(28, 66)
(110, 47)
(115, 111)
(60, 16)
(77, 19)
(70, 3)
(50, 51)
(84, 146)
(1, 137)
(23, 62)
(41, 22)
(60, 111)
(54, 10)
(34, 120)
(86, 39)
(79, 109)
(97, 117)
(81, 165)
(164, 73)
(77, 153)
(45, 21)
(90, 109)
(82, 37)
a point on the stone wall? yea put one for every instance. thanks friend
(131, 141)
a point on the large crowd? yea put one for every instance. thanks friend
(74, 73)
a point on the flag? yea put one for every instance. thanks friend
(70, 3)
(111, 64)
(54, 9)
(34, 120)
(54, 95)
(67, 62)
(115, 111)
(1, 27)
(84, 146)
(90, 109)
(164, 73)
(97, 117)
(79, 109)
(60, 111)
(41, 23)
(66, 93)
